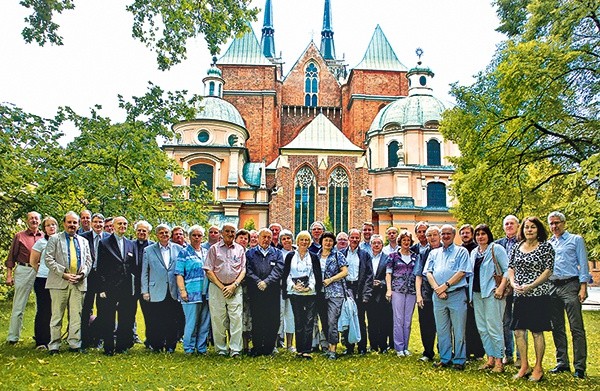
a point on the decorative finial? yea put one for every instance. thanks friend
(214, 60)
(419, 53)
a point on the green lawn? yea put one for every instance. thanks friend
(24, 368)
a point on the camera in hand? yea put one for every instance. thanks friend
(302, 280)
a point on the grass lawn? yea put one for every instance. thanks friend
(23, 368)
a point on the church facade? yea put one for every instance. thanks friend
(322, 142)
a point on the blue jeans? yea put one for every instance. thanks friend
(197, 327)
(450, 322)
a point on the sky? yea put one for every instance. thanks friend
(100, 59)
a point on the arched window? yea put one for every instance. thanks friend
(393, 154)
(211, 88)
(434, 156)
(204, 175)
(305, 186)
(311, 85)
(436, 195)
(338, 199)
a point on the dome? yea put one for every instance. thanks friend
(414, 110)
(218, 109)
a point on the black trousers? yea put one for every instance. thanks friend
(427, 328)
(265, 309)
(164, 320)
(380, 327)
(89, 331)
(303, 308)
(43, 312)
(122, 305)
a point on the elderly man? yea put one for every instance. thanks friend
(360, 282)
(392, 237)
(159, 289)
(116, 268)
(142, 233)
(20, 273)
(510, 224)
(447, 271)
(424, 296)
(89, 334)
(226, 268)
(316, 230)
(264, 267)
(69, 261)
(275, 228)
(341, 241)
(569, 280)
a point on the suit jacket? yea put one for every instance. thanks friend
(379, 274)
(57, 260)
(89, 235)
(115, 271)
(157, 279)
(260, 268)
(365, 275)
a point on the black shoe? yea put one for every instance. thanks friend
(441, 364)
(53, 352)
(579, 374)
(559, 369)
(109, 353)
(12, 342)
(75, 350)
(458, 367)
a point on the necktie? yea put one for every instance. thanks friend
(96, 240)
(72, 256)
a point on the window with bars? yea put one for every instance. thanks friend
(339, 184)
(305, 186)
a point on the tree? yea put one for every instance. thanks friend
(164, 26)
(529, 127)
(119, 169)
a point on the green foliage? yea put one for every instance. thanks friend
(164, 26)
(249, 225)
(28, 369)
(529, 127)
(328, 224)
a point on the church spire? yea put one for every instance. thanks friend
(327, 45)
(267, 41)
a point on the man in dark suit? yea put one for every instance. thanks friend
(360, 283)
(379, 310)
(116, 268)
(89, 332)
(142, 232)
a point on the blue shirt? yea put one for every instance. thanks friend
(570, 258)
(444, 262)
(366, 246)
(189, 265)
(353, 264)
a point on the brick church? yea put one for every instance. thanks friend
(322, 142)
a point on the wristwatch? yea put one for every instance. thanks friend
(447, 284)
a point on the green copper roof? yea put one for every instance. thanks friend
(244, 50)
(252, 173)
(211, 107)
(380, 55)
(415, 110)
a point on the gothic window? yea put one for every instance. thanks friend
(338, 199)
(311, 85)
(393, 154)
(305, 186)
(436, 195)
(204, 176)
(434, 156)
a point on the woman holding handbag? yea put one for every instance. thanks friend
(487, 288)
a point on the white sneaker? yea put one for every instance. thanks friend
(407, 353)
(400, 353)
(291, 349)
(424, 359)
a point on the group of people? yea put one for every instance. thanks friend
(260, 286)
